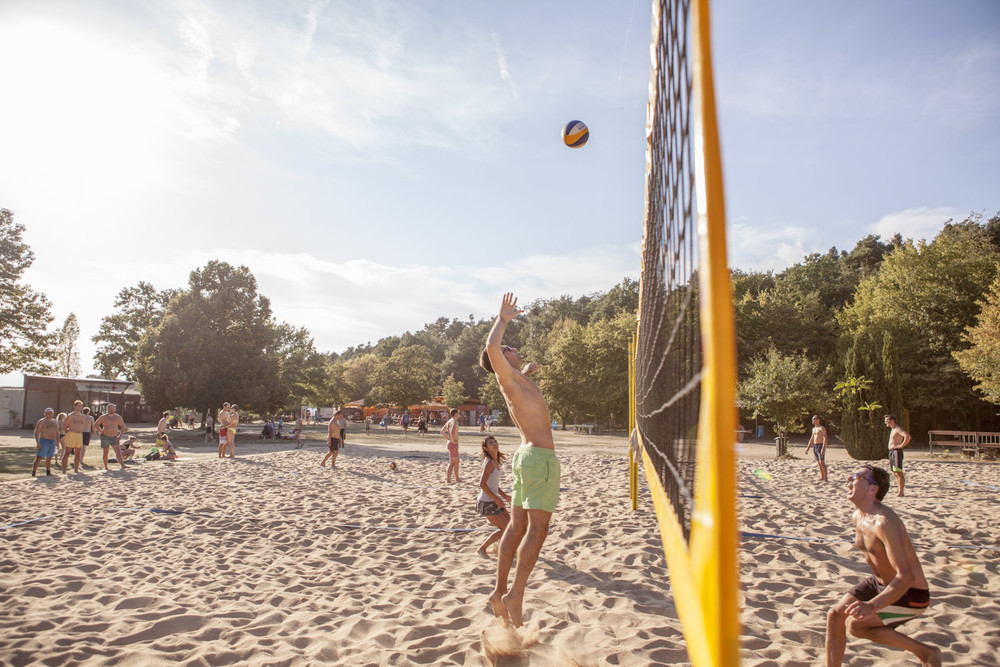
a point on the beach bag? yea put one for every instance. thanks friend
(153, 455)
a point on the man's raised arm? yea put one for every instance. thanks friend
(508, 311)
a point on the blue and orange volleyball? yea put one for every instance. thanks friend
(575, 134)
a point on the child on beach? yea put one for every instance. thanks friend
(490, 502)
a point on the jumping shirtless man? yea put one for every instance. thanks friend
(534, 466)
(819, 450)
(898, 438)
(896, 594)
(76, 423)
(111, 427)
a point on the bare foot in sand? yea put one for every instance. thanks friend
(513, 606)
(499, 609)
(482, 553)
(933, 659)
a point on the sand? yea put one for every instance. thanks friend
(271, 560)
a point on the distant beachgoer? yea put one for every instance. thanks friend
(450, 433)
(61, 420)
(87, 433)
(368, 425)
(491, 498)
(332, 442)
(342, 425)
(534, 465)
(898, 591)
(46, 437)
(817, 442)
(129, 449)
(422, 425)
(231, 427)
(209, 428)
(297, 432)
(168, 453)
(111, 427)
(898, 438)
(74, 426)
(224, 418)
(405, 422)
(482, 423)
(161, 427)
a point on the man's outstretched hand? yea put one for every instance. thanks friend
(508, 308)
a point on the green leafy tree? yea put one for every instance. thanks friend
(869, 389)
(783, 389)
(492, 396)
(25, 343)
(563, 377)
(68, 348)
(357, 373)
(607, 366)
(981, 361)
(461, 359)
(926, 296)
(215, 343)
(454, 392)
(406, 378)
(138, 310)
(299, 367)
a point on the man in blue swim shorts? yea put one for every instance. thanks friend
(46, 437)
(897, 592)
(534, 465)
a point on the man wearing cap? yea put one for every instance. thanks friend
(46, 437)
(111, 428)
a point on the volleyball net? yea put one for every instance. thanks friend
(685, 353)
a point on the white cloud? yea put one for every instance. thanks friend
(762, 249)
(502, 62)
(915, 223)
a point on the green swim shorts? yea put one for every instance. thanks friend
(536, 478)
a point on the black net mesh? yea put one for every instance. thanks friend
(668, 355)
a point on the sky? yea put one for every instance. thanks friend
(378, 164)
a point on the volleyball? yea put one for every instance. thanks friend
(392, 465)
(575, 134)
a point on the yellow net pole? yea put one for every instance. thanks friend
(633, 461)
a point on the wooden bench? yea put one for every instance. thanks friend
(970, 441)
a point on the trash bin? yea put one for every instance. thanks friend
(760, 432)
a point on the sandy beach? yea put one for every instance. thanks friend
(271, 560)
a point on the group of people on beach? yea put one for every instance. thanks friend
(70, 434)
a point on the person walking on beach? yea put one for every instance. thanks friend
(46, 437)
(333, 442)
(491, 498)
(111, 427)
(297, 432)
(819, 450)
(897, 592)
(898, 438)
(161, 427)
(450, 433)
(534, 466)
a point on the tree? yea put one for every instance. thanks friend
(24, 313)
(139, 309)
(454, 392)
(490, 394)
(926, 296)
(406, 378)
(216, 342)
(301, 370)
(461, 359)
(67, 349)
(981, 361)
(870, 386)
(607, 365)
(783, 389)
(563, 378)
(357, 373)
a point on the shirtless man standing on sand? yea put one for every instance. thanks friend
(450, 433)
(898, 438)
(76, 423)
(224, 417)
(819, 450)
(534, 466)
(896, 594)
(111, 427)
(46, 437)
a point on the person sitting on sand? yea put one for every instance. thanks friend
(168, 453)
(534, 465)
(491, 498)
(896, 594)
(129, 449)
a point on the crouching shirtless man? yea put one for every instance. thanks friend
(896, 594)
(534, 466)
